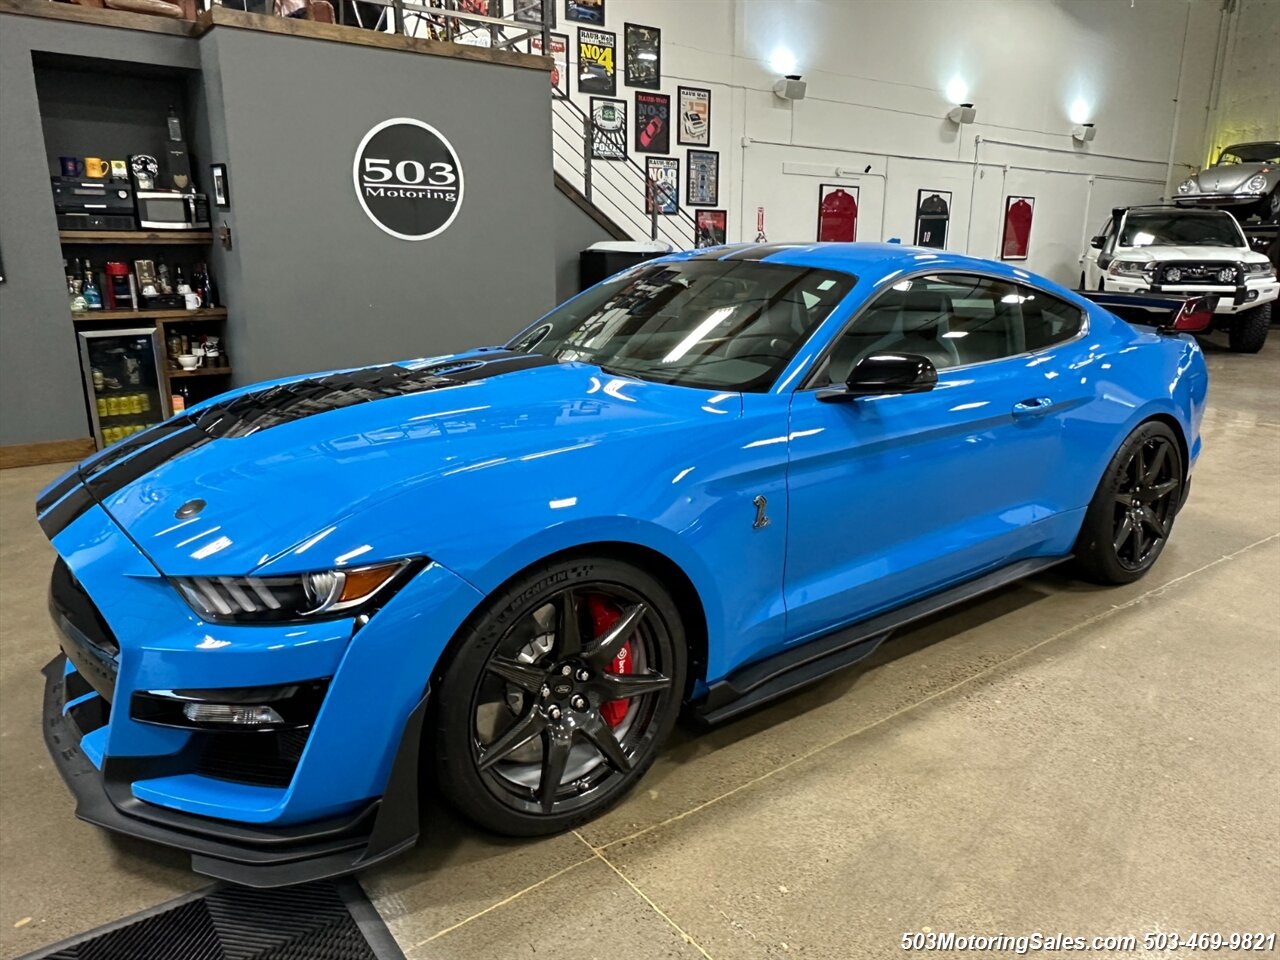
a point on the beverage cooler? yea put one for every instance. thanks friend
(123, 381)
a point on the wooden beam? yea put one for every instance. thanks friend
(52, 451)
(100, 16)
(590, 209)
(311, 29)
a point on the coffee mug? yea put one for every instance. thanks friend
(193, 301)
(70, 166)
(96, 167)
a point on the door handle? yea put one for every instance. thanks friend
(1032, 407)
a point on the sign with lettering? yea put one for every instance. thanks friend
(408, 179)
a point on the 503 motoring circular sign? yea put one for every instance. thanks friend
(408, 179)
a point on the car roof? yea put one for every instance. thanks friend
(869, 259)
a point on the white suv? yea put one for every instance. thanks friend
(1170, 250)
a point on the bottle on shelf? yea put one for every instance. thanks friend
(174, 126)
(92, 295)
(181, 397)
(205, 286)
(180, 284)
(162, 279)
(75, 294)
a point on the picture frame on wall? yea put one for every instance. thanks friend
(642, 56)
(711, 228)
(585, 11)
(933, 217)
(837, 213)
(653, 123)
(609, 129)
(694, 122)
(559, 54)
(702, 178)
(531, 11)
(1015, 240)
(663, 176)
(597, 64)
(221, 186)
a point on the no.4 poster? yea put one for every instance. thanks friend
(837, 213)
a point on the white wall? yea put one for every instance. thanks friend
(1248, 101)
(878, 71)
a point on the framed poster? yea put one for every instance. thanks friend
(694, 104)
(933, 214)
(596, 73)
(642, 49)
(609, 129)
(221, 190)
(837, 213)
(559, 54)
(663, 174)
(1016, 239)
(712, 228)
(653, 123)
(703, 183)
(585, 11)
(530, 11)
(663, 177)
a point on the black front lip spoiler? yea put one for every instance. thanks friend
(238, 853)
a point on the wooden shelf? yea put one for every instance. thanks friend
(172, 316)
(202, 372)
(87, 237)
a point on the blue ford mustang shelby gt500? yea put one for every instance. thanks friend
(702, 483)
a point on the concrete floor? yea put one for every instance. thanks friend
(1054, 758)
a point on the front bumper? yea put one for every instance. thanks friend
(1231, 299)
(1212, 200)
(239, 853)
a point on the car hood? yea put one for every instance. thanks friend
(1164, 254)
(283, 488)
(1228, 178)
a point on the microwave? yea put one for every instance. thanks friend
(171, 210)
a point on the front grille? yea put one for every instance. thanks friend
(1199, 273)
(261, 758)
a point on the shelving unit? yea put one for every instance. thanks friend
(81, 238)
(171, 316)
(201, 372)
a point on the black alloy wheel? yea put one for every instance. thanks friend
(1145, 502)
(1129, 520)
(563, 701)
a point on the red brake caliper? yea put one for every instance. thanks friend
(603, 616)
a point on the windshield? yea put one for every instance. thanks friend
(727, 324)
(1180, 229)
(1251, 153)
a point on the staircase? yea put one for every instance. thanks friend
(614, 193)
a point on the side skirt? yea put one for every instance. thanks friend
(757, 683)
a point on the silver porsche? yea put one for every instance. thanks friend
(1246, 178)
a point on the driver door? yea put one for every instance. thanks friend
(894, 497)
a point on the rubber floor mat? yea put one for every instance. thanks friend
(330, 920)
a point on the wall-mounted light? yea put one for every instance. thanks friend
(957, 90)
(782, 61)
(1083, 132)
(962, 113)
(1079, 110)
(790, 87)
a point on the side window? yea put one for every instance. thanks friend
(1048, 320)
(953, 319)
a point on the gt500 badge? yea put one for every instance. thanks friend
(408, 179)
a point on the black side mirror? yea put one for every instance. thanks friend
(1099, 241)
(885, 373)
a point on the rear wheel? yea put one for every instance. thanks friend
(1132, 512)
(560, 696)
(1248, 330)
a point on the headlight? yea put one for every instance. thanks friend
(324, 594)
(1264, 270)
(1256, 184)
(1188, 186)
(1128, 268)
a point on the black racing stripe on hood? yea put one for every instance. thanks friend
(264, 409)
(108, 482)
(65, 512)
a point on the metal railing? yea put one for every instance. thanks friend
(620, 188)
